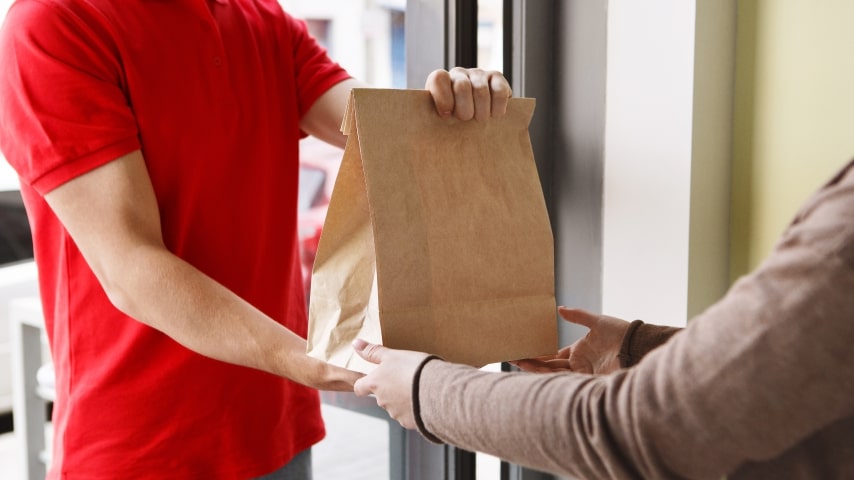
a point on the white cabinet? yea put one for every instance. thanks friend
(17, 280)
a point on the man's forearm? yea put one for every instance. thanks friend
(164, 292)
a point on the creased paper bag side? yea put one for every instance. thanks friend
(344, 291)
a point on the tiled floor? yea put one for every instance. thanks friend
(355, 448)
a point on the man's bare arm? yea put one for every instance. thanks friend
(112, 215)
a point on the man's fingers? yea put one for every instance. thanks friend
(501, 93)
(439, 85)
(468, 93)
(362, 388)
(369, 351)
(463, 95)
(578, 316)
(528, 365)
(481, 93)
(542, 366)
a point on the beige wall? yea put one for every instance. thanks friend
(794, 114)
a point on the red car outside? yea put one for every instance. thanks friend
(319, 164)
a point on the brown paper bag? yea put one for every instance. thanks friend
(436, 239)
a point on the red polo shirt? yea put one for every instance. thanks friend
(212, 93)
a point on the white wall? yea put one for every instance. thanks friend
(16, 281)
(650, 130)
(8, 177)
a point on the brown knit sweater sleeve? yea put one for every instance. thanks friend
(760, 385)
(640, 339)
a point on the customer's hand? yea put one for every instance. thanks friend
(467, 93)
(596, 352)
(391, 381)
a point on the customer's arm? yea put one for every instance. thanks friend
(762, 370)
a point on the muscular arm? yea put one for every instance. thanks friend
(766, 368)
(112, 215)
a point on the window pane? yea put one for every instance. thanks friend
(490, 34)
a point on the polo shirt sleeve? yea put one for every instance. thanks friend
(63, 109)
(315, 72)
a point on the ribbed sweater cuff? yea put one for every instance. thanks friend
(416, 401)
(642, 338)
(625, 355)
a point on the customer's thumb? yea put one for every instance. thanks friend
(369, 351)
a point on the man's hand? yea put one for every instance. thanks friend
(467, 93)
(596, 352)
(318, 374)
(463, 93)
(391, 381)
